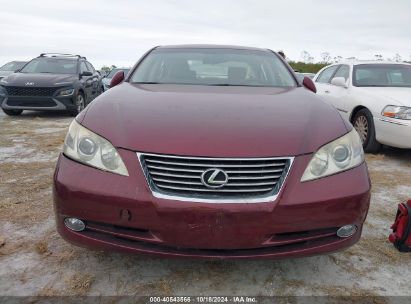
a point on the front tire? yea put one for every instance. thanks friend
(364, 125)
(12, 112)
(80, 104)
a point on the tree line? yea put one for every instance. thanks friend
(307, 64)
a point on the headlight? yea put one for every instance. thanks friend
(397, 112)
(339, 155)
(65, 92)
(91, 149)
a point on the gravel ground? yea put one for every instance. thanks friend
(34, 260)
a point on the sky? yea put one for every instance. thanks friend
(119, 32)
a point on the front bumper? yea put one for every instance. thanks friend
(122, 214)
(42, 103)
(393, 132)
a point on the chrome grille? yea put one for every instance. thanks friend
(248, 178)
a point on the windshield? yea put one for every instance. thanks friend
(213, 67)
(51, 65)
(12, 66)
(382, 75)
(112, 72)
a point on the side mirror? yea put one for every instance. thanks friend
(86, 73)
(339, 81)
(309, 84)
(117, 79)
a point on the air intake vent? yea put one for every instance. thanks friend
(27, 91)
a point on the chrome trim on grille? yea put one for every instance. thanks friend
(181, 179)
(211, 165)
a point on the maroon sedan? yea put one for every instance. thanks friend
(211, 152)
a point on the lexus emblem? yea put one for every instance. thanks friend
(29, 83)
(214, 178)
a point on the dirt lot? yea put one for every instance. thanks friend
(34, 260)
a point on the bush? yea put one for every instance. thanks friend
(303, 67)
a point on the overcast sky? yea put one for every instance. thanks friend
(119, 32)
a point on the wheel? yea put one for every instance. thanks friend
(80, 104)
(364, 125)
(12, 112)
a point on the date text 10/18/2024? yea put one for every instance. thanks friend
(204, 299)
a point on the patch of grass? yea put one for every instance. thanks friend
(389, 179)
(380, 251)
(351, 295)
(13, 247)
(371, 157)
(48, 292)
(25, 191)
(41, 247)
(160, 288)
(79, 284)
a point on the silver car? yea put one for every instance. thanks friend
(107, 79)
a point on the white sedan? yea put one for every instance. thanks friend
(374, 96)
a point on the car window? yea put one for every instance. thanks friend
(90, 67)
(83, 67)
(12, 66)
(382, 75)
(202, 66)
(51, 65)
(395, 77)
(343, 71)
(325, 76)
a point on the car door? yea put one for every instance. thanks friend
(87, 81)
(95, 80)
(339, 96)
(322, 82)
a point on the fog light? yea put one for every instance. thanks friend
(346, 231)
(74, 224)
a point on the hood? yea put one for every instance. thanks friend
(213, 121)
(39, 80)
(396, 95)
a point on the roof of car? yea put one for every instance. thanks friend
(357, 62)
(212, 46)
(61, 56)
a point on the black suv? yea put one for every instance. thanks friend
(51, 82)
